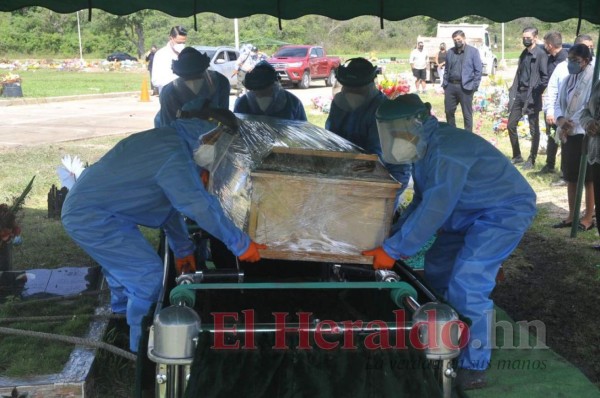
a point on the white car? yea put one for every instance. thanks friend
(222, 60)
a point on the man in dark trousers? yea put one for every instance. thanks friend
(150, 61)
(556, 55)
(525, 95)
(462, 76)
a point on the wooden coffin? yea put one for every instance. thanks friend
(325, 206)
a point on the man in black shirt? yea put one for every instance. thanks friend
(525, 95)
(556, 55)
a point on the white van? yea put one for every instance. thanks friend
(222, 60)
(476, 35)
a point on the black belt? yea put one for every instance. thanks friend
(454, 81)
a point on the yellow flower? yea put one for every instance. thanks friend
(10, 78)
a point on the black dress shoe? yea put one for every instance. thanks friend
(547, 169)
(596, 247)
(528, 165)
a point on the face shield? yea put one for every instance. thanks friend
(196, 84)
(351, 98)
(264, 97)
(356, 96)
(399, 139)
(212, 147)
(401, 130)
(205, 154)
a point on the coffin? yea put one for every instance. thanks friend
(305, 192)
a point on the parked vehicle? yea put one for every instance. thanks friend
(301, 64)
(222, 60)
(475, 35)
(119, 56)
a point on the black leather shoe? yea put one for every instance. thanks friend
(547, 169)
(528, 165)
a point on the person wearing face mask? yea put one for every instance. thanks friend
(196, 87)
(468, 193)
(150, 179)
(525, 96)
(556, 55)
(590, 120)
(461, 79)
(440, 61)
(245, 63)
(558, 75)
(266, 97)
(162, 74)
(572, 101)
(589, 42)
(150, 60)
(352, 113)
(418, 64)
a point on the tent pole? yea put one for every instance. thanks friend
(583, 160)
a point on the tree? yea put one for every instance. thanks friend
(39, 32)
(130, 27)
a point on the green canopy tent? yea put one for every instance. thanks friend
(500, 10)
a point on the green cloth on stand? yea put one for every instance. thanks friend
(294, 372)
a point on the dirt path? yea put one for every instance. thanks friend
(554, 199)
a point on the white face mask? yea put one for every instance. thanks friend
(204, 156)
(264, 102)
(400, 139)
(178, 47)
(354, 100)
(404, 151)
(194, 85)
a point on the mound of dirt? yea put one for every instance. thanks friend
(553, 282)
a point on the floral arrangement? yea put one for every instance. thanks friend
(500, 124)
(392, 88)
(322, 103)
(10, 78)
(9, 229)
(491, 101)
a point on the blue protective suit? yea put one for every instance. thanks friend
(148, 179)
(479, 205)
(285, 105)
(360, 128)
(178, 96)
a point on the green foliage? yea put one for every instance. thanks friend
(20, 201)
(46, 244)
(114, 374)
(53, 83)
(317, 118)
(22, 356)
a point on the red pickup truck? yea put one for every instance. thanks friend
(300, 64)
